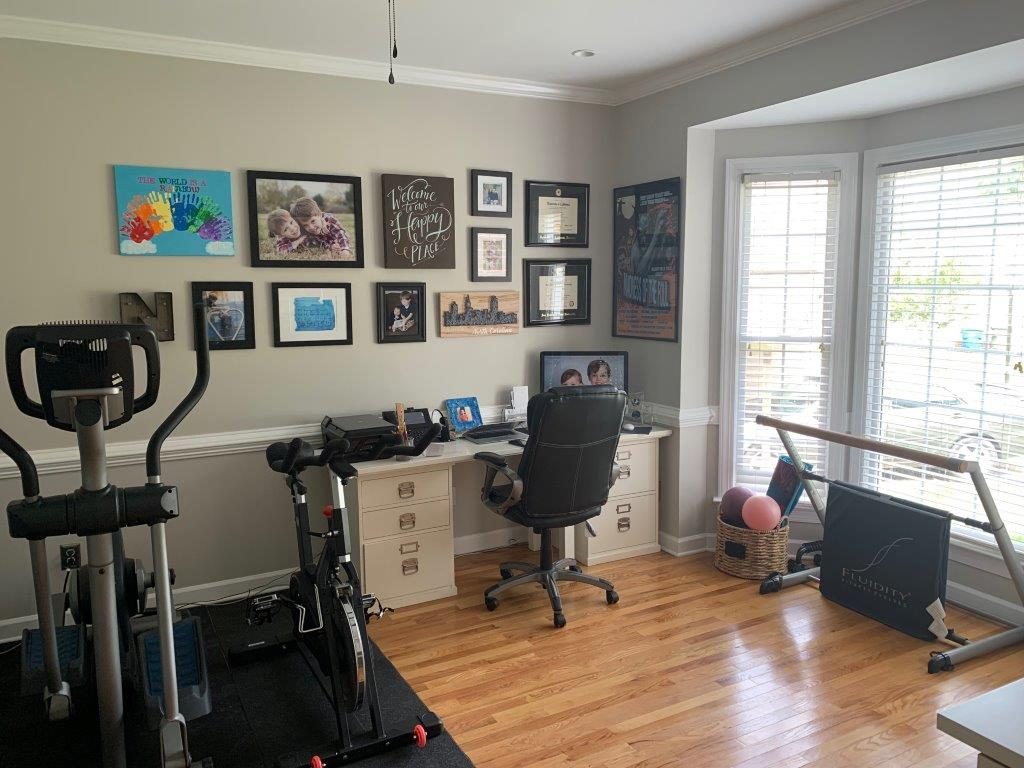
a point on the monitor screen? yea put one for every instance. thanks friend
(559, 369)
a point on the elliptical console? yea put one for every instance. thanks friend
(86, 381)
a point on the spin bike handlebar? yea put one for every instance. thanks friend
(390, 447)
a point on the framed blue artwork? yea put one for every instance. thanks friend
(173, 212)
(463, 413)
(312, 314)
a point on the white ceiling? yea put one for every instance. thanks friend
(982, 71)
(525, 40)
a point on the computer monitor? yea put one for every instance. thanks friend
(559, 369)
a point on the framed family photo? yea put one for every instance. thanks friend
(463, 413)
(305, 220)
(312, 314)
(229, 314)
(492, 193)
(401, 312)
(556, 292)
(557, 214)
(491, 250)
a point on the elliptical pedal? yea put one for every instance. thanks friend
(193, 684)
(70, 646)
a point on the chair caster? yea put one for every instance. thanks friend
(491, 603)
(505, 574)
(611, 596)
(772, 583)
(559, 620)
(575, 569)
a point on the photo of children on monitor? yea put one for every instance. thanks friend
(580, 369)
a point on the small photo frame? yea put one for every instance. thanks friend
(229, 314)
(556, 292)
(305, 220)
(401, 312)
(557, 214)
(463, 414)
(492, 193)
(312, 314)
(491, 251)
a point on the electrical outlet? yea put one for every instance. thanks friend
(70, 556)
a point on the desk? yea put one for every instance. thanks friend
(992, 723)
(400, 519)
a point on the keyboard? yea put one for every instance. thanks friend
(491, 433)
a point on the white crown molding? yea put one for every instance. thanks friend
(762, 45)
(89, 36)
(46, 31)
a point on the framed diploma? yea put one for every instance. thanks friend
(556, 292)
(557, 213)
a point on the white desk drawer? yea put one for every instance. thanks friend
(411, 488)
(407, 519)
(624, 522)
(403, 566)
(637, 470)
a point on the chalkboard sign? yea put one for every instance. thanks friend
(419, 221)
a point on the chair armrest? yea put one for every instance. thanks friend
(497, 464)
(491, 458)
(615, 473)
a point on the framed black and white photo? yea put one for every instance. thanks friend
(491, 259)
(312, 314)
(557, 214)
(401, 312)
(305, 220)
(556, 292)
(492, 193)
(229, 314)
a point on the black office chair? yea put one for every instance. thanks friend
(567, 468)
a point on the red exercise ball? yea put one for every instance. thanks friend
(762, 513)
(731, 508)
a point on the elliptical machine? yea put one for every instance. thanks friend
(329, 610)
(86, 384)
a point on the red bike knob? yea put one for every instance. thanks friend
(328, 511)
(316, 762)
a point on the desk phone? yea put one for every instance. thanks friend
(417, 421)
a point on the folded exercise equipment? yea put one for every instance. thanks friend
(887, 557)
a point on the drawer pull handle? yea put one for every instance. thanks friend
(407, 521)
(623, 524)
(410, 566)
(623, 455)
(622, 509)
(408, 548)
(407, 489)
(624, 472)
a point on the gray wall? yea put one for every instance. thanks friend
(70, 113)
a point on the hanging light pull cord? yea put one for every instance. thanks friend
(393, 40)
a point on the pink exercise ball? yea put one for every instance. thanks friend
(731, 508)
(762, 513)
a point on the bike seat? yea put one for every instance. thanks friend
(278, 452)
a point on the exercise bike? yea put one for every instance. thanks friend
(86, 382)
(329, 611)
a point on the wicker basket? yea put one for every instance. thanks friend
(751, 554)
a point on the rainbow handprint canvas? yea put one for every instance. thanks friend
(173, 211)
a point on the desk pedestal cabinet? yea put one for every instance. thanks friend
(402, 535)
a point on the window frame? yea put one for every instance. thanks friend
(977, 548)
(847, 165)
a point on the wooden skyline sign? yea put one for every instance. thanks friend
(478, 313)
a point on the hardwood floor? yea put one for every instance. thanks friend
(692, 668)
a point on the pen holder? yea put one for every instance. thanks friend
(405, 443)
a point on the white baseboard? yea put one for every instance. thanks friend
(478, 542)
(686, 545)
(978, 602)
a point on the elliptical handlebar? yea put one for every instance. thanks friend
(26, 466)
(175, 417)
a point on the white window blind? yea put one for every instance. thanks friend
(786, 306)
(944, 364)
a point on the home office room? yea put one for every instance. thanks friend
(537, 384)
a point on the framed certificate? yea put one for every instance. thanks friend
(557, 213)
(557, 292)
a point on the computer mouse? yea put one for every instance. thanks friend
(627, 426)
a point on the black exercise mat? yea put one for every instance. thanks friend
(261, 710)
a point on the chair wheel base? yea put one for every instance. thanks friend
(491, 603)
(575, 569)
(505, 573)
(559, 620)
(772, 583)
(611, 596)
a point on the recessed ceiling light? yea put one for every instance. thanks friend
(583, 53)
